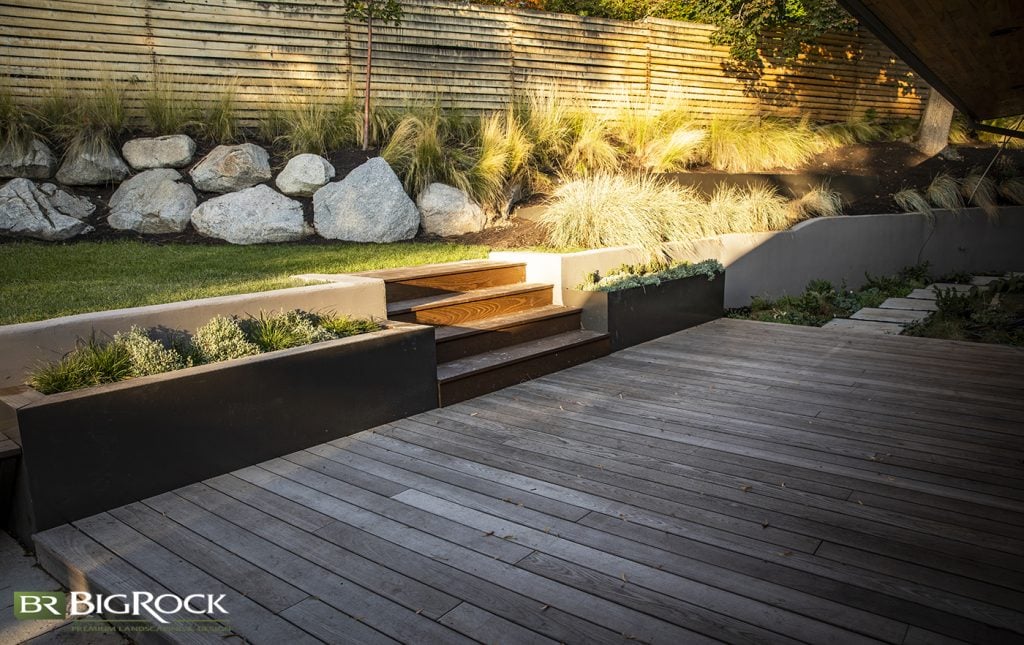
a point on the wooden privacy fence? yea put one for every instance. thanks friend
(469, 56)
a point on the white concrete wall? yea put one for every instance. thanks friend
(836, 249)
(24, 346)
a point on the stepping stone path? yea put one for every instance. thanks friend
(893, 315)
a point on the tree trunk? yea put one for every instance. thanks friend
(933, 134)
(366, 89)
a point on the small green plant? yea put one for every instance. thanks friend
(284, 330)
(91, 363)
(629, 276)
(343, 326)
(955, 303)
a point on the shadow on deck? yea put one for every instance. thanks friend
(739, 482)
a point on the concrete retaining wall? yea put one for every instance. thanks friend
(836, 249)
(24, 346)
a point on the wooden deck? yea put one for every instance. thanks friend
(738, 482)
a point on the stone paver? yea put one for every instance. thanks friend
(864, 326)
(902, 316)
(896, 313)
(910, 304)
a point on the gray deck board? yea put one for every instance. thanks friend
(737, 482)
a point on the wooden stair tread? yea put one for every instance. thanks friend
(444, 333)
(437, 270)
(495, 359)
(461, 297)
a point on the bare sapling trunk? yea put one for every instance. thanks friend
(933, 133)
(366, 89)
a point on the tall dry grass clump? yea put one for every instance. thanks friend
(819, 201)
(944, 192)
(981, 191)
(1012, 190)
(166, 110)
(910, 200)
(759, 207)
(220, 122)
(612, 210)
(17, 123)
(756, 144)
(657, 136)
(92, 122)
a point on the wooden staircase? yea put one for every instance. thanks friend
(492, 329)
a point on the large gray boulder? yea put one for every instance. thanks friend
(43, 211)
(251, 216)
(231, 168)
(37, 162)
(369, 205)
(172, 151)
(304, 174)
(92, 167)
(153, 201)
(446, 210)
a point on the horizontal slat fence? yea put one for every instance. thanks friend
(467, 56)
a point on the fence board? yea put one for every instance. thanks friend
(469, 56)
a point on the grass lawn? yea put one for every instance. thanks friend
(39, 281)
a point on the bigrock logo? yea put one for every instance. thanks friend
(141, 606)
(143, 603)
(40, 605)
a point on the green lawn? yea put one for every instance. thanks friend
(39, 281)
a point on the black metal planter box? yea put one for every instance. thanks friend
(637, 315)
(94, 449)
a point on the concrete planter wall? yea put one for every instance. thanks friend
(637, 315)
(94, 449)
(830, 248)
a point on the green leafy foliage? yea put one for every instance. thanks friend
(822, 301)
(137, 353)
(92, 363)
(742, 24)
(629, 276)
(994, 314)
(284, 330)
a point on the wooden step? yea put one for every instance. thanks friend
(475, 337)
(476, 375)
(458, 308)
(435, 279)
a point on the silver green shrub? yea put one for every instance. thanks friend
(148, 356)
(221, 339)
